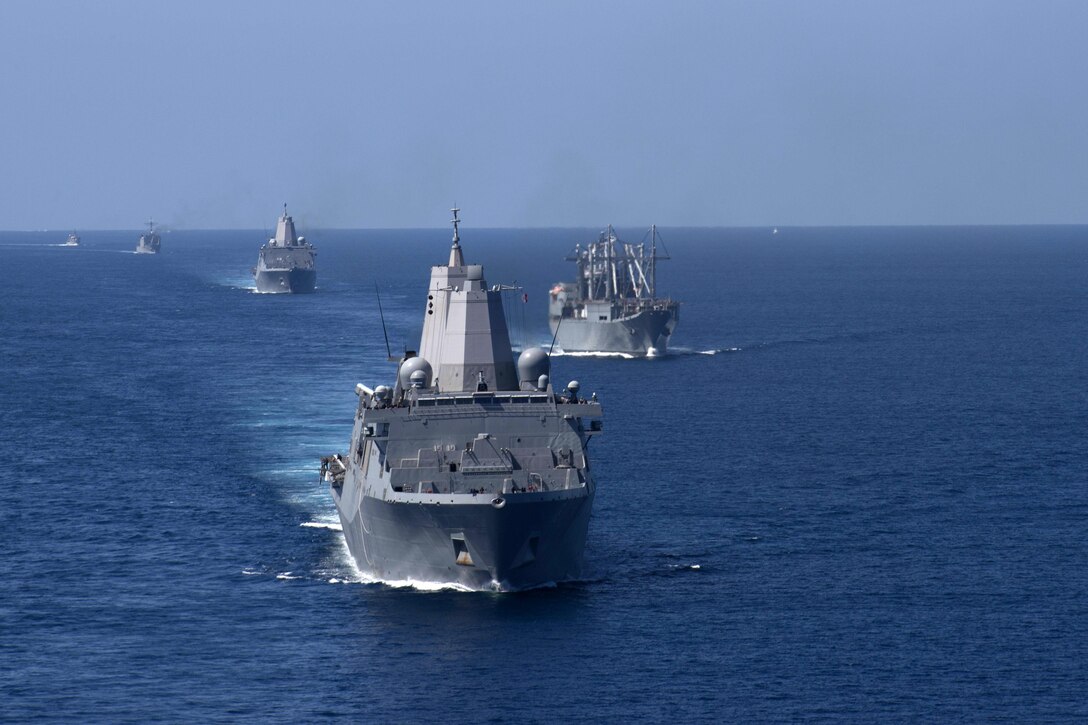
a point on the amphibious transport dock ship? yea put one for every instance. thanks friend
(469, 470)
(613, 306)
(150, 241)
(286, 263)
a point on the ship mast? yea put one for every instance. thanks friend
(583, 285)
(610, 266)
(653, 261)
(457, 259)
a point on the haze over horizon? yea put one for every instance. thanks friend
(206, 115)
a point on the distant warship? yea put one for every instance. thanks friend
(469, 470)
(613, 307)
(73, 240)
(149, 242)
(286, 263)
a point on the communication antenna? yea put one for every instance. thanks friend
(388, 352)
(557, 326)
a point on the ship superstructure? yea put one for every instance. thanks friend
(150, 241)
(470, 469)
(286, 262)
(612, 306)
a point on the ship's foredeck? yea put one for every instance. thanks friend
(434, 443)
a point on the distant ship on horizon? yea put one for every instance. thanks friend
(286, 262)
(73, 240)
(613, 307)
(150, 241)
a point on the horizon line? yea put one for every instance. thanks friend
(167, 227)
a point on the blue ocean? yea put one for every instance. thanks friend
(856, 489)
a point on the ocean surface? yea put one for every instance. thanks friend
(855, 490)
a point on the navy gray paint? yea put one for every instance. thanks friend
(286, 262)
(150, 241)
(612, 307)
(470, 469)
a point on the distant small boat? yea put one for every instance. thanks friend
(775, 231)
(73, 240)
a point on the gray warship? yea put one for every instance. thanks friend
(286, 262)
(613, 306)
(150, 241)
(73, 240)
(470, 470)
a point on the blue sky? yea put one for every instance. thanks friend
(212, 114)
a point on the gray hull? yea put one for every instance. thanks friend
(533, 539)
(469, 470)
(634, 335)
(298, 281)
(286, 263)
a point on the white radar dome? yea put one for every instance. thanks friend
(414, 365)
(532, 363)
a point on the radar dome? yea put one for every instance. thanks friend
(532, 363)
(414, 365)
(383, 392)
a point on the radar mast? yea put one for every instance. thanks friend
(457, 259)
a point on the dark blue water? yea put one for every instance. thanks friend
(857, 490)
